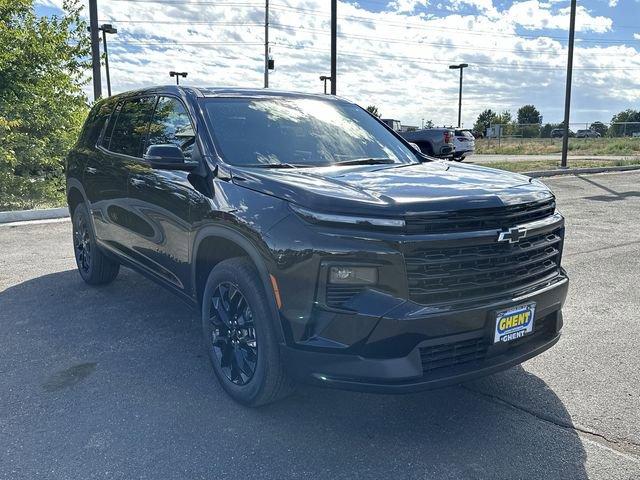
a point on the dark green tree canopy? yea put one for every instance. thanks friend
(43, 61)
(624, 123)
(529, 114)
(373, 110)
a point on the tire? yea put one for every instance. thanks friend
(94, 266)
(458, 159)
(240, 336)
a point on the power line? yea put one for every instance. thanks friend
(418, 42)
(439, 62)
(430, 27)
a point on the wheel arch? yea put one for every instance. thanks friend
(75, 195)
(214, 244)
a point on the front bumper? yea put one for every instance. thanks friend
(438, 360)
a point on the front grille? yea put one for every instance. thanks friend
(479, 219)
(475, 350)
(337, 295)
(456, 274)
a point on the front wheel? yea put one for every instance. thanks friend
(239, 335)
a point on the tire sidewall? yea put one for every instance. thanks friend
(253, 291)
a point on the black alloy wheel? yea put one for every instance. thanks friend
(82, 243)
(233, 334)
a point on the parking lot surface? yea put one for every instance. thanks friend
(114, 382)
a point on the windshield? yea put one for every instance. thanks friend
(300, 132)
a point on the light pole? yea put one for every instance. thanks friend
(107, 28)
(324, 79)
(460, 67)
(567, 95)
(95, 48)
(266, 44)
(334, 45)
(178, 75)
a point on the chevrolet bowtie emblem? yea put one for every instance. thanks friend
(512, 235)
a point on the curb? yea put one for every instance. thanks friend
(28, 215)
(575, 171)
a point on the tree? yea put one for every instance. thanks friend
(620, 123)
(599, 127)
(529, 120)
(42, 105)
(528, 115)
(428, 124)
(484, 121)
(373, 110)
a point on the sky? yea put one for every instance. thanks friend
(392, 54)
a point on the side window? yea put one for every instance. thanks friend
(131, 126)
(171, 124)
(95, 123)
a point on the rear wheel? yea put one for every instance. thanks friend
(239, 335)
(95, 268)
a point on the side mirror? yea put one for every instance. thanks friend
(168, 157)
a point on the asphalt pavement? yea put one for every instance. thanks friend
(114, 383)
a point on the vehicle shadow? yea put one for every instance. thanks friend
(115, 379)
(611, 195)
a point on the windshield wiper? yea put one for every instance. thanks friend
(275, 165)
(366, 161)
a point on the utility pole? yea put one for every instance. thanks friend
(461, 67)
(107, 28)
(567, 95)
(95, 48)
(334, 33)
(266, 44)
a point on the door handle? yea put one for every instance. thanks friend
(91, 170)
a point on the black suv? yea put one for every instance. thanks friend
(317, 244)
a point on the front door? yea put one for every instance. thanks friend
(161, 199)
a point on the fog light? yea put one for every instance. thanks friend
(353, 275)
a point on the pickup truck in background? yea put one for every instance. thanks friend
(435, 142)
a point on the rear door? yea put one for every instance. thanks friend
(121, 146)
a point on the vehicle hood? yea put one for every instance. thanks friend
(393, 189)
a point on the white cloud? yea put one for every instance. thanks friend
(536, 15)
(407, 6)
(613, 3)
(394, 60)
(636, 36)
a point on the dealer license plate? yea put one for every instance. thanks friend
(514, 323)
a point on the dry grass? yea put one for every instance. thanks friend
(541, 146)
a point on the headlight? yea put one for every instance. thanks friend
(348, 275)
(347, 219)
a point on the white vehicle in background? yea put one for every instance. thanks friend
(465, 144)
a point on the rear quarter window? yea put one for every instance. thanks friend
(95, 123)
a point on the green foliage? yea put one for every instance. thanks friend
(42, 106)
(484, 121)
(373, 110)
(428, 124)
(625, 130)
(529, 119)
(599, 127)
(529, 114)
